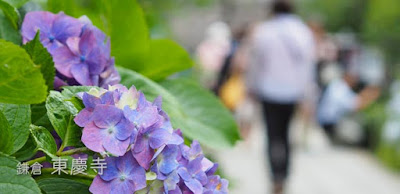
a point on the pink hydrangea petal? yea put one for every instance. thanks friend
(73, 45)
(80, 71)
(63, 60)
(144, 157)
(115, 146)
(88, 40)
(140, 143)
(99, 186)
(83, 117)
(58, 83)
(93, 137)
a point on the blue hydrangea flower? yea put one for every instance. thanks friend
(123, 123)
(122, 175)
(192, 152)
(166, 166)
(146, 142)
(193, 175)
(216, 185)
(90, 102)
(84, 58)
(167, 160)
(108, 131)
(55, 29)
(154, 130)
(80, 51)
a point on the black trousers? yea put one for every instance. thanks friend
(277, 118)
(330, 130)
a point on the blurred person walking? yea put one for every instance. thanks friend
(281, 69)
(340, 99)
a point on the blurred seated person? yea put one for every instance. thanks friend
(340, 99)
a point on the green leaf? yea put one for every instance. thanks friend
(19, 118)
(40, 56)
(207, 114)
(11, 13)
(10, 182)
(191, 108)
(21, 81)
(44, 140)
(7, 32)
(71, 91)
(6, 144)
(62, 185)
(46, 175)
(165, 58)
(27, 151)
(133, 48)
(129, 33)
(39, 116)
(70, 94)
(16, 3)
(61, 114)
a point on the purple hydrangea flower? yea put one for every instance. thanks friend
(154, 131)
(193, 175)
(81, 52)
(193, 152)
(216, 185)
(84, 58)
(55, 29)
(123, 123)
(166, 166)
(122, 175)
(108, 131)
(167, 161)
(146, 142)
(90, 102)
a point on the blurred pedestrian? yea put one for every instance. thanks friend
(340, 99)
(212, 52)
(281, 69)
(230, 86)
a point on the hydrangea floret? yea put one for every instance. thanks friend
(81, 52)
(137, 139)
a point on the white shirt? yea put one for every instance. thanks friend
(337, 100)
(282, 59)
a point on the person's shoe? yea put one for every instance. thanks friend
(278, 187)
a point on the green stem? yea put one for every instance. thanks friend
(66, 153)
(86, 176)
(73, 151)
(61, 148)
(39, 160)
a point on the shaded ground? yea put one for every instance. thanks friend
(317, 167)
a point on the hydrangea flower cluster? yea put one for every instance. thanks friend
(80, 51)
(144, 154)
